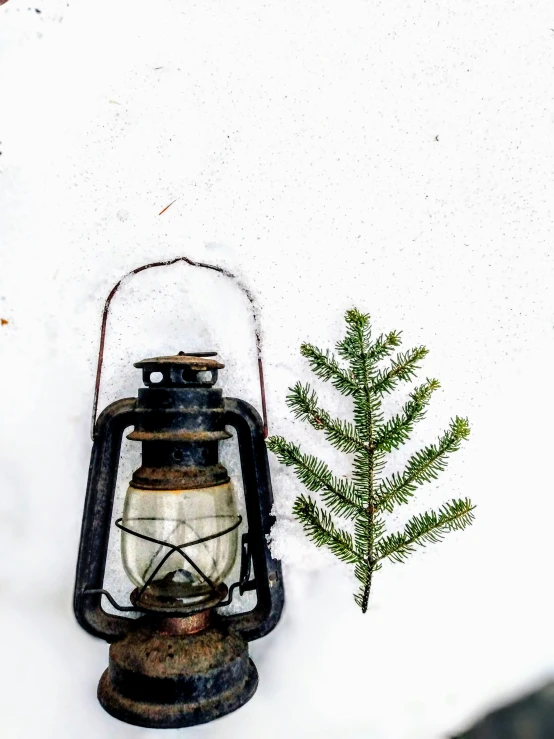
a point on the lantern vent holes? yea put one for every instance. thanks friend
(180, 370)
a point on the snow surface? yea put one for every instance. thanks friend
(392, 156)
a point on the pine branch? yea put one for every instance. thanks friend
(358, 330)
(398, 429)
(430, 527)
(365, 498)
(423, 466)
(359, 334)
(384, 346)
(321, 530)
(326, 367)
(339, 495)
(357, 349)
(404, 367)
(342, 435)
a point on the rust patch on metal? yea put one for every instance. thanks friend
(163, 680)
(182, 436)
(192, 361)
(187, 625)
(179, 478)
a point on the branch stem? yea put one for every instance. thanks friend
(371, 474)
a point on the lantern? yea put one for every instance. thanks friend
(182, 662)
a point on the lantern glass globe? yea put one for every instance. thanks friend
(184, 518)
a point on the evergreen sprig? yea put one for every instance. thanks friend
(423, 466)
(428, 528)
(366, 496)
(343, 435)
(339, 495)
(319, 526)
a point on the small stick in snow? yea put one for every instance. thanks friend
(167, 206)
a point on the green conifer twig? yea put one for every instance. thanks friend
(320, 528)
(303, 403)
(404, 367)
(339, 495)
(366, 497)
(429, 527)
(326, 367)
(397, 430)
(423, 466)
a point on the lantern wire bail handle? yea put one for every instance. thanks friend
(167, 263)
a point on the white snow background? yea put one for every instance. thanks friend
(393, 156)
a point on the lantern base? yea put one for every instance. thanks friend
(167, 681)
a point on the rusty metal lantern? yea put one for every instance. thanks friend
(181, 662)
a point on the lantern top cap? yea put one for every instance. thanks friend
(195, 361)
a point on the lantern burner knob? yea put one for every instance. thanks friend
(193, 369)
